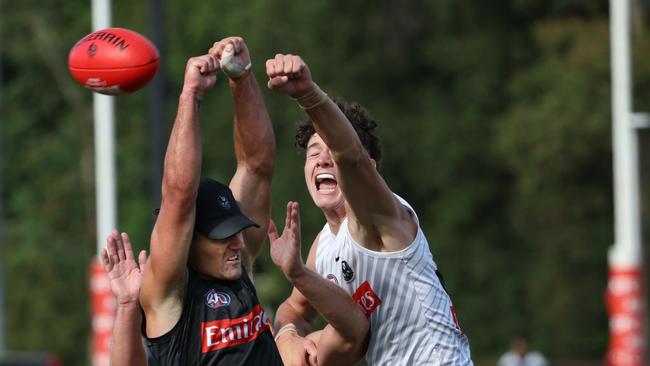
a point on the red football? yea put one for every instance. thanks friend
(113, 61)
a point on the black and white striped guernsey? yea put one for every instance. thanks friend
(412, 320)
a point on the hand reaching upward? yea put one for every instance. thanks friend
(289, 74)
(200, 75)
(285, 249)
(123, 272)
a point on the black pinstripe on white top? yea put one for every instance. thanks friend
(414, 324)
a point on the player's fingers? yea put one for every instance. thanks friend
(215, 65)
(287, 219)
(200, 63)
(106, 262)
(120, 245)
(270, 68)
(142, 259)
(288, 64)
(217, 49)
(128, 249)
(279, 63)
(272, 232)
(194, 62)
(296, 218)
(297, 65)
(229, 48)
(112, 246)
(311, 352)
(276, 82)
(237, 43)
(112, 255)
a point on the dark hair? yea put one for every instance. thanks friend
(360, 119)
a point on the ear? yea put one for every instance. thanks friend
(374, 163)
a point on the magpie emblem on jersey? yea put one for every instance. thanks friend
(332, 278)
(348, 273)
(215, 299)
(224, 202)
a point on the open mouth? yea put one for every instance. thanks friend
(325, 183)
(233, 258)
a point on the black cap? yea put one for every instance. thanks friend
(217, 214)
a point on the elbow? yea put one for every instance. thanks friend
(180, 195)
(262, 167)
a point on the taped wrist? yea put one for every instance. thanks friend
(312, 99)
(285, 329)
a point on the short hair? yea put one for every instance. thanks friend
(360, 119)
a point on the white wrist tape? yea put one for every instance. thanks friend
(285, 329)
(232, 67)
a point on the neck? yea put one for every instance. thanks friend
(334, 218)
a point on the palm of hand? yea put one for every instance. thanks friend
(285, 252)
(125, 279)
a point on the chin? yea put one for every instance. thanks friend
(233, 275)
(328, 202)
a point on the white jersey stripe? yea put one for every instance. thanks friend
(413, 325)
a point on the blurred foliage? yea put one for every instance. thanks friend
(495, 118)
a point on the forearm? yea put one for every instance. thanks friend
(254, 138)
(171, 234)
(288, 314)
(183, 157)
(126, 343)
(335, 305)
(333, 126)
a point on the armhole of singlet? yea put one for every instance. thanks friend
(175, 329)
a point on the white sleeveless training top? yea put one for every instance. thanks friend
(411, 316)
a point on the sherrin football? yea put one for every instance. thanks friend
(113, 61)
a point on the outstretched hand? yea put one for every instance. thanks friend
(285, 249)
(289, 74)
(124, 274)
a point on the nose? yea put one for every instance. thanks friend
(237, 242)
(325, 158)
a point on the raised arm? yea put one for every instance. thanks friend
(294, 320)
(166, 279)
(254, 141)
(125, 278)
(372, 209)
(343, 341)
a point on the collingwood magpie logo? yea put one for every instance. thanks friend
(348, 273)
(223, 202)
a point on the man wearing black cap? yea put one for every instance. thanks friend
(200, 305)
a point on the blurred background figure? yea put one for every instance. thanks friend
(520, 354)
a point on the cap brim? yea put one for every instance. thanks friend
(225, 228)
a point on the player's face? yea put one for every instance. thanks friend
(321, 176)
(218, 258)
